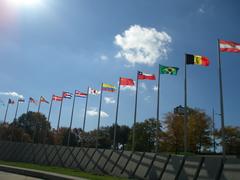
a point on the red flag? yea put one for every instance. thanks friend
(57, 98)
(146, 76)
(229, 46)
(80, 94)
(126, 82)
(32, 100)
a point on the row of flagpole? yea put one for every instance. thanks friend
(223, 46)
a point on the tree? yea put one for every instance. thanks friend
(232, 139)
(199, 128)
(145, 135)
(34, 124)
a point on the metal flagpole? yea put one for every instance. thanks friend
(60, 111)
(28, 105)
(221, 102)
(85, 112)
(185, 107)
(15, 117)
(70, 126)
(213, 129)
(158, 120)
(115, 125)
(39, 105)
(48, 119)
(5, 117)
(135, 116)
(99, 116)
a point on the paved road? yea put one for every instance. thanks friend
(10, 176)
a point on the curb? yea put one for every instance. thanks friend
(37, 173)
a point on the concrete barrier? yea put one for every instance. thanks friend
(136, 165)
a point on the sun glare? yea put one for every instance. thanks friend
(25, 3)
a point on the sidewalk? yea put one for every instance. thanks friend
(37, 173)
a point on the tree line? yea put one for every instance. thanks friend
(151, 135)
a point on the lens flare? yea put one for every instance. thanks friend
(25, 3)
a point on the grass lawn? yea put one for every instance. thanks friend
(60, 170)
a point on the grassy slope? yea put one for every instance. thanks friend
(60, 170)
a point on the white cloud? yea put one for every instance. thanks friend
(147, 98)
(94, 112)
(201, 10)
(103, 57)
(155, 88)
(131, 88)
(143, 86)
(109, 100)
(142, 45)
(14, 94)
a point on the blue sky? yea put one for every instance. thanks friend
(56, 46)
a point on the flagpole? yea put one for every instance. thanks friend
(115, 125)
(85, 112)
(28, 105)
(5, 117)
(60, 111)
(50, 109)
(99, 116)
(39, 105)
(213, 129)
(221, 102)
(15, 117)
(70, 126)
(185, 107)
(48, 119)
(158, 102)
(135, 115)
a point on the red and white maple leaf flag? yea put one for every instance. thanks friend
(146, 76)
(229, 46)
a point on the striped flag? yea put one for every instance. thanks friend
(57, 98)
(67, 95)
(229, 46)
(142, 76)
(32, 100)
(80, 94)
(108, 87)
(42, 99)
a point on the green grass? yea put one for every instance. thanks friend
(60, 170)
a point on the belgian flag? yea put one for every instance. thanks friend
(196, 59)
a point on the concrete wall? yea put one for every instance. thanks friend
(137, 165)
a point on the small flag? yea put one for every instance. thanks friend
(67, 95)
(57, 98)
(108, 87)
(229, 46)
(80, 94)
(21, 100)
(126, 82)
(94, 91)
(145, 76)
(42, 99)
(196, 59)
(32, 100)
(168, 70)
(10, 101)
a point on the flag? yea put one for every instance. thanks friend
(57, 98)
(94, 91)
(229, 46)
(126, 82)
(168, 70)
(42, 99)
(10, 101)
(21, 100)
(80, 94)
(67, 95)
(108, 87)
(146, 76)
(32, 100)
(196, 59)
